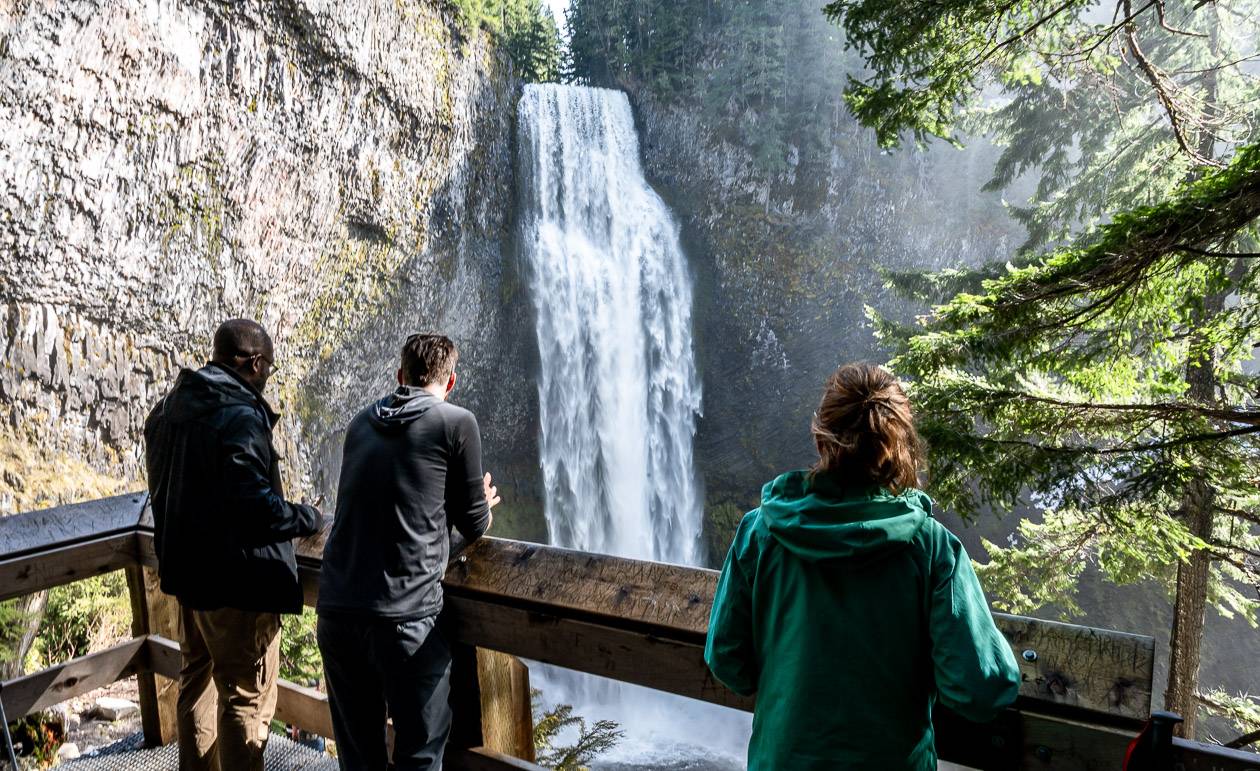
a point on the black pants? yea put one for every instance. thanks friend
(375, 667)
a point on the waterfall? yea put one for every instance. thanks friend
(618, 390)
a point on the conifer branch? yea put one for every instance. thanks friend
(1244, 417)
(1164, 89)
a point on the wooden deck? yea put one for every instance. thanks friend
(1085, 691)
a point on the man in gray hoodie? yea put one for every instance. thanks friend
(410, 471)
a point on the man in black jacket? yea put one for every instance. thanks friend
(223, 533)
(410, 470)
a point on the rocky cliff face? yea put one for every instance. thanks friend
(340, 171)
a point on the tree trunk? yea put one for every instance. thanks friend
(1198, 505)
(1189, 611)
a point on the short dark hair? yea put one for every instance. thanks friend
(240, 338)
(428, 359)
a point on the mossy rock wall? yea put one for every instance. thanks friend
(340, 172)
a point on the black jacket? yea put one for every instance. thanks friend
(410, 470)
(222, 527)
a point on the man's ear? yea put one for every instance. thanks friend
(399, 375)
(450, 384)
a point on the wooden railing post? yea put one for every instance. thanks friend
(153, 612)
(507, 720)
(491, 702)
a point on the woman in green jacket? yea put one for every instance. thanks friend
(846, 608)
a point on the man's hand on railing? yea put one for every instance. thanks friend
(492, 492)
(492, 497)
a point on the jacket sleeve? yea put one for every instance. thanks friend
(729, 649)
(259, 515)
(976, 673)
(466, 506)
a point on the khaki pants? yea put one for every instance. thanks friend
(225, 728)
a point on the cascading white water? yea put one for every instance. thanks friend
(618, 390)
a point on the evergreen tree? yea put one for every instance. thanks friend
(527, 31)
(1110, 381)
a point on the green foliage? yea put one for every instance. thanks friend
(1242, 710)
(527, 31)
(1109, 382)
(12, 623)
(82, 617)
(300, 661)
(1064, 383)
(1061, 87)
(591, 741)
(927, 59)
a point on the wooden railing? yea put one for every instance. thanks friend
(1085, 691)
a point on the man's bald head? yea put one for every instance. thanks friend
(244, 346)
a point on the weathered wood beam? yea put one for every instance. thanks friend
(146, 553)
(644, 623)
(629, 656)
(39, 531)
(35, 571)
(165, 619)
(654, 597)
(1071, 745)
(306, 708)
(76, 677)
(1082, 667)
(162, 656)
(1066, 665)
(1063, 664)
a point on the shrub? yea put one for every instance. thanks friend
(82, 617)
(591, 742)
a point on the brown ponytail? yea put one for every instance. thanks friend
(864, 430)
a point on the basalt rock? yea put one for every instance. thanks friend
(339, 171)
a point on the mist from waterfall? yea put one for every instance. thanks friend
(617, 387)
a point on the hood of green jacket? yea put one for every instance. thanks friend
(820, 518)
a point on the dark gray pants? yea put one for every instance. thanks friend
(375, 668)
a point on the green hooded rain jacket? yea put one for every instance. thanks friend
(849, 613)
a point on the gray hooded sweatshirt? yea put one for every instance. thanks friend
(410, 471)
